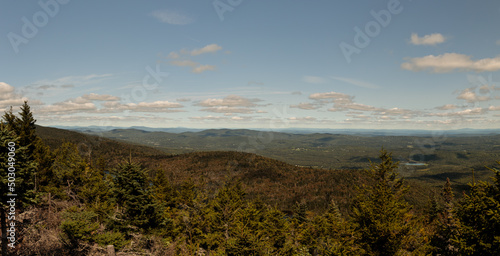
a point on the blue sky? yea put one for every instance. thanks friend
(253, 64)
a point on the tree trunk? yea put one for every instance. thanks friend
(4, 231)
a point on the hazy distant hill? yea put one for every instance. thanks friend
(274, 181)
(441, 155)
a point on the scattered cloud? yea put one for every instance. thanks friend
(470, 96)
(306, 106)
(183, 100)
(447, 107)
(431, 39)
(474, 111)
(229, 101)
(329, 96)
(69, 106)
(207, 49)
(202, 68)
(182, 58)
(8, 97)
(449, 62)
(229, 105)
(172, 17)
(6, 91)
(229, 110)
(351, 106)
(156, 106)
(296, 93)
(100, 97)
(303, 119)
(313, 79)
(356, 82)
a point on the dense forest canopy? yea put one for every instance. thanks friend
(77, 194)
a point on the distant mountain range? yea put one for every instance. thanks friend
(360, 132)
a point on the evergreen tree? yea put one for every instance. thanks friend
(380, 213)
(67, 172)
(479, 215)
(24, 128)
(133, 194)
(446, 240)
(220, 216)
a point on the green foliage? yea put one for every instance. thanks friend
(479, 214)
(67, 170)
(446, 237)
(22, 131)
(78, 225)
(112, 238)
(132, 191)
(381, 215)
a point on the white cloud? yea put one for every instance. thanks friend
(181, 59)
(449, 62)
(303, 119)
(229, 105)
(207, 49)
(329, 95)
(156, 106)
(100, 97)
(306, 106)
(471, 96)
(431, 39)
(8, 97)
(6, 91)
(474, 111)
(70, 106)
(351, 106)
(229, 110)
(202, 68)
(229, 101)
(313, 79)
(447, 107)
(172, 17)
(357, 82)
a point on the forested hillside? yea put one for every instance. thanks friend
(84, 195)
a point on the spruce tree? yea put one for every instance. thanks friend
(479, 214)
(381, 215)
(446, 240)
(133, 194)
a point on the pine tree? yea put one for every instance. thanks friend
(380, 213)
